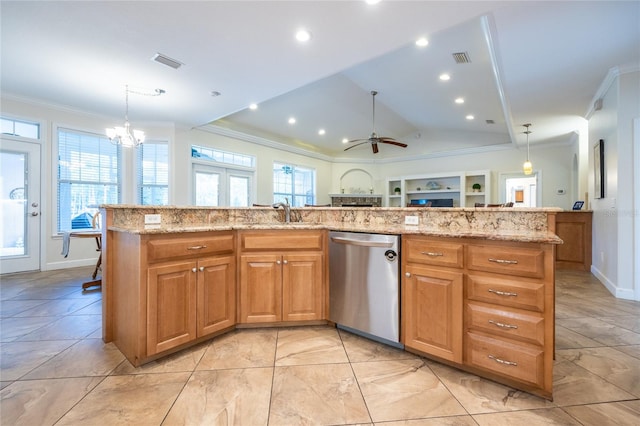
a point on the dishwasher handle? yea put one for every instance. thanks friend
(351, 242)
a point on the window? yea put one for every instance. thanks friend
(153, 173)
(88, 175)
(296, 183)
(227, 184)
(25, 129)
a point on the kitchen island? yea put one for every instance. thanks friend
(477, 284)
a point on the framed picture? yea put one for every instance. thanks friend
(578, 205)
(598, 169)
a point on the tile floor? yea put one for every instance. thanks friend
(55, 369)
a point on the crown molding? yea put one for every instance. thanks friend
(608, 80)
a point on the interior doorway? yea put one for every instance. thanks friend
(520, 189)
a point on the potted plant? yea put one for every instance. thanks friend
(476, 187)
(397, 191)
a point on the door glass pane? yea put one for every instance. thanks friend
(207, 189)
(238, 191)
(521, 191)
(14, 205)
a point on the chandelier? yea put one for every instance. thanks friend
(126, 136)
(527, 167)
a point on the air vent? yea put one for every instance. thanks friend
(490, 122)
(163, 59)
(461, 58)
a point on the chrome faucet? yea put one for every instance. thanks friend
(287, 209)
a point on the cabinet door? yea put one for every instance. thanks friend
(216, 292)
(171, 306)
(302, 287)
(260, 288)
(432, 307)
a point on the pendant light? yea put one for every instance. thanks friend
(527, 167)
(126, 136)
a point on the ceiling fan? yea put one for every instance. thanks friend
(374, 139)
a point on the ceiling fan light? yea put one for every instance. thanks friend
(422, 42)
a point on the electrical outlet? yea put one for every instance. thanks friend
(411, 220)
(150, 219)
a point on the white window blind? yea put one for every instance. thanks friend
(88, 175)
(153, 173)
(295, 183)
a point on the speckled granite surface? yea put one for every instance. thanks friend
(508, 224)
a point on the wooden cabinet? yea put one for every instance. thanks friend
(432, 297)
(574, 228)
(171, 290)
(282, 276)
(509, 313)
(487, 306)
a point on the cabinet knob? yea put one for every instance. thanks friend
(278, 262)
(285, 261)
(201, 268)
(194, 270)
(407, 274)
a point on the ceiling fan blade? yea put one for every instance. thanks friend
(374, 147)
(393, 142)
(358, 144)
(357, 140)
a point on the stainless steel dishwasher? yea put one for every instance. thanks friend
(364, 284)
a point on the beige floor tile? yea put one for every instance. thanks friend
(42, 402)
(403, 389)
(182, 361)
(95, 308)
(9, 308)
(601, 331)
(89, 357)
(573, 385)
(612, 365)
(224, 397)
(309, 345)
(633, 350)
(625, 413)
(141, 399)
(478, 395)
(44, 293)
(19, 358)
(12, 329)
(630, 322)
(316, 394)
(53, 308)
(241, 349)
(360, 349)
(569, 339)
(68, 327)
(438, 421)
(542, 417)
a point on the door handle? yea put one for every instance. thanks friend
(34, 213)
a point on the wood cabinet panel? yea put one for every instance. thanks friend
(575, 229)
(179, 246)
(260, 288)
(281, 240)
(506, 291)
(521, 325)
(432, 311)
(509, 259)
(171, 306)
(216, 294)
(302, 293)
(435, 253)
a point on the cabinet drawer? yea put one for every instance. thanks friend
(180, 247)
(520, 362)
(418, 250)
(506, 292)
(521, 325)
(521, 261)
(282, 240)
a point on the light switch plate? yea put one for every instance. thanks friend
(411, 220)
(151, 219)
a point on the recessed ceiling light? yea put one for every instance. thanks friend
(422, 42)
(345, 140)
(292, 120)
(303, 35)
(253, 106)
(445, 77)
(215, 93)
(469, 117)
(459, 100)
(321, 132)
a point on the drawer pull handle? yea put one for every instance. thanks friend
(431, 253)
(502, 325)
(502, 293)
(503, 261)
(196, 247)
(502, 361)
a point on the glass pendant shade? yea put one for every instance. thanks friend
(527, 167)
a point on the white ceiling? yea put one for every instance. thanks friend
(531, 62)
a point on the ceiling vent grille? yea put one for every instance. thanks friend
(165, 60)
(461, 58)
(490, 122)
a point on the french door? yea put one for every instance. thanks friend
(20, 212)
(219, 186)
